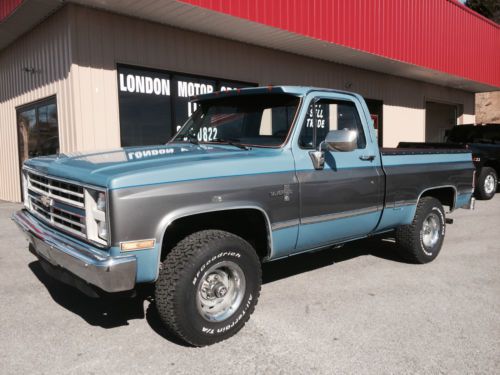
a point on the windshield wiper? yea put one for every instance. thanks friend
(231, 141)
(192, 138)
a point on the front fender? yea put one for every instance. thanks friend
(187, 211)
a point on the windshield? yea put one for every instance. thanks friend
(250, 120)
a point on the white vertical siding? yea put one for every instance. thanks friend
(47, 49)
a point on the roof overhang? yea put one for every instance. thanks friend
(22, 16)
(194, 18)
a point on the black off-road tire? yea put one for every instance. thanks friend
(181, 274)
(484, 173)
(409, 238)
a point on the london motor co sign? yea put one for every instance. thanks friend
(155, 103)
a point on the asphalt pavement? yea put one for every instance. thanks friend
(354, 310)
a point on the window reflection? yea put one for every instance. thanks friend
(38, 130)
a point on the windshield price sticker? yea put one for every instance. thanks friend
(207, 134)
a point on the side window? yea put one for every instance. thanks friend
(331, 115)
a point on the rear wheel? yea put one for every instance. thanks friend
(421, 241)
(486, 183)
(208, 287)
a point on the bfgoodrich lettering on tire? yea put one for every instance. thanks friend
(208, 287)
(421, 241)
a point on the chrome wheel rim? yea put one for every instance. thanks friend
(220, 291)
(430, 230)
(489, 184)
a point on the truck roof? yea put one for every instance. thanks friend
(261, 90)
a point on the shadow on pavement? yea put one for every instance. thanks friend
(110, 312)
(380, 247)
(104, 312)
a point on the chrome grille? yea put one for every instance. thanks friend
(57, 202)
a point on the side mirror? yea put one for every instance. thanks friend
(341, 140)
(336, 140)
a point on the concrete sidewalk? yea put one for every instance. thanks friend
(355, 310)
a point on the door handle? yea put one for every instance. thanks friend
(367, 157)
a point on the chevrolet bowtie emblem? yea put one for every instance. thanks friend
(46, 201)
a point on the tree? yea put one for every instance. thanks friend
(487, 8)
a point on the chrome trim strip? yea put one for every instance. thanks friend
(285, 224)
(440, 187)
(68, 212)
(33, 198)
(58, 226)
(111, 274)
(71, 192)
(339, 215)
(53, 196)
(471, 205)
(169, 219)
(69, 220)
(404, 203)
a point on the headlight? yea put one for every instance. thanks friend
(96, 216)
(101, 201)
(102, 230)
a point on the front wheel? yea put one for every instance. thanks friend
(208, 287)
(421, 241)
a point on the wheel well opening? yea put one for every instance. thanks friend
(493, 164)
(249, 224)
(446, 195)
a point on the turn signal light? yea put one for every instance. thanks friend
(137, 245)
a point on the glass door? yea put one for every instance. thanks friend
(38, 131)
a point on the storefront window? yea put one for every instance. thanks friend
(186, 87)
(154, 104)
(38, 133)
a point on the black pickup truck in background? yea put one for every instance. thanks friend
(484, 142)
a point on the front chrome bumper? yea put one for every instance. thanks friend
(111, 274)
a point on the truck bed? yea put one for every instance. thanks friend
(410, 172)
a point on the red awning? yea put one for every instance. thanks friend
(442, 35)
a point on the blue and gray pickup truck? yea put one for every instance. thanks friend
(254, 175)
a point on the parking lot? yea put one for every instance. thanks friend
(358, 309)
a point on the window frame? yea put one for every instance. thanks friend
(326, 97)
(36, 104)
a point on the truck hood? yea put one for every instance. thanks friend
(138, 166)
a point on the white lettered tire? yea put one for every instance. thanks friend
(208, 287)
(421, 241)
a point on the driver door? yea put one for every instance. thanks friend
(345, 199)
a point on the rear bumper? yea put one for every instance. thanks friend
(472, 204)
(111, 274)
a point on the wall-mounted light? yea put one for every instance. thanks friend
(348, 85)
(30, 70)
